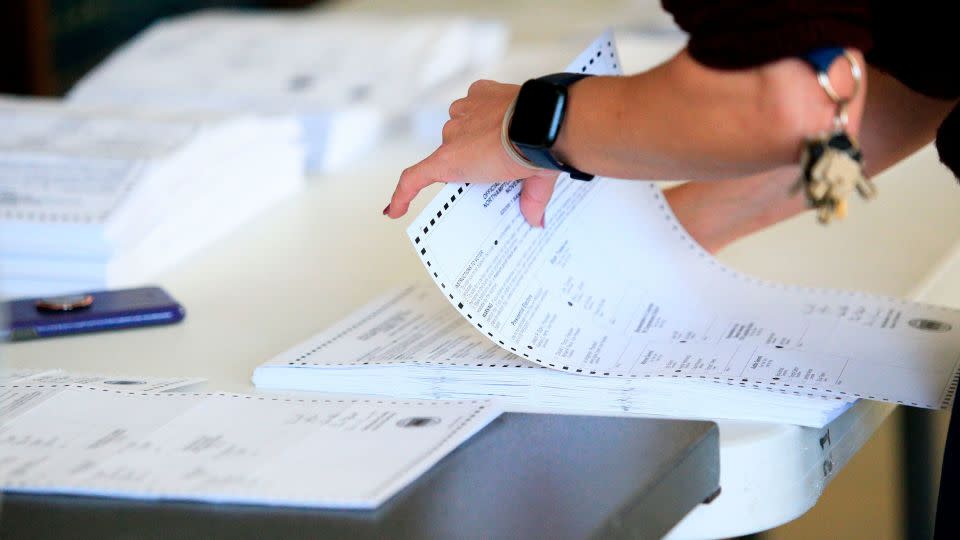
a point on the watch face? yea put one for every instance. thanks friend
(537, 115)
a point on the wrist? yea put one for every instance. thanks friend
(539, 117)
(575, 103)
(508, 147)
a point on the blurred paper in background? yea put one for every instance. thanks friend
(346, 77)
(93, 199)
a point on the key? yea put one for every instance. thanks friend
(832, 169)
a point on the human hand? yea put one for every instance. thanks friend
(471, 151)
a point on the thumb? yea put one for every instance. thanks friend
(534, 196)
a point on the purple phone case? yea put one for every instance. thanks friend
(111, 310)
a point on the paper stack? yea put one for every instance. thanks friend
(411, 343)
(98, 198)
(345, 76)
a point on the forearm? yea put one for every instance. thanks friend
(718, 213)
(685, 121)
(896, 123)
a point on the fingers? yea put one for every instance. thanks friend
(535, 192)
(458, 108)
(470, 148)
(448, 130)
(464, 105)
(534, 196)
(413, 180)
(479, 86)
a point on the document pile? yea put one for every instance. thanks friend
(613, 307)
(345, 76)
(101, 198)
(410, 343)
(129, 437)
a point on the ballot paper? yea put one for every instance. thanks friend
(344, 75)
(254, 449)
(411, 343)
(614, 287)
(95, 198)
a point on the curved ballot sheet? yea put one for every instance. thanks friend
(615, 288)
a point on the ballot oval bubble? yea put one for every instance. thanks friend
(930, 325)
(418, 421)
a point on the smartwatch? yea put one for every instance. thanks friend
(538, 115)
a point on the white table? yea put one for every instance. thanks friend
(310, 260)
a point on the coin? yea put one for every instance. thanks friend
(72, 302)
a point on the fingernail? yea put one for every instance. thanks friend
(543, 221)
(386, 209)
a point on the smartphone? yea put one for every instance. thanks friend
(32, 318)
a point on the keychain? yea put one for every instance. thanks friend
(831, 164)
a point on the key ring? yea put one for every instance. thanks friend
(840, 117)
(822, 66)
(831, 163)
(823, 77)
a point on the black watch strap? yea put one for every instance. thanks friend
(543, 157)
(545, 160)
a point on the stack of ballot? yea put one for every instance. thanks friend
(411, 343)
(345, 76)
(96, 198)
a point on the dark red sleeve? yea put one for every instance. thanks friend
(916, 45)
(733, 34)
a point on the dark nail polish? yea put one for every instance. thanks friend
(386, 210)
(543, 221)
